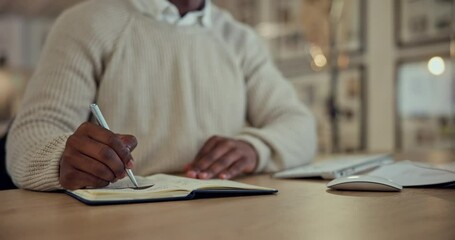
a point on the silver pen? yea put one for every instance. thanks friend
(99, 117)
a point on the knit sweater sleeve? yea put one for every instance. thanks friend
(57, 96)
(282, 128)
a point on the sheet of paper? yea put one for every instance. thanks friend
(407, 174)
(446, 166)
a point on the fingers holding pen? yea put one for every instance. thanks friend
(84, 146)
(78, 170)
(95, 156)
(122, 145)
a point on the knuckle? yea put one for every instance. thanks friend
(218, 152)
(107, 153)
(221, 163)
(119, 171)
(209, 157)
(114, 141)
(98, 172)
(124, 153)
(195, 167)
(237, 168)
(206, 160)
(227, 143)
(239, 152)
(201, 164)
(225, 161)
(216, 168)
(103, 173)
(116, 168)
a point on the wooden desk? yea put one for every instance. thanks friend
(303, 209)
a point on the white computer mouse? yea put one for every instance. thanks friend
(364, 183)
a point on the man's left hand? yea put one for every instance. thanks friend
(224, 158)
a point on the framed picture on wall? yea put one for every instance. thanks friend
(297, 32)
(351, 109)
(423, 21)
(350, 34)
(314, 91)
(425, 106)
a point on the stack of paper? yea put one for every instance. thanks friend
(412, 174)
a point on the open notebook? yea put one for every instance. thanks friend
(163, 187)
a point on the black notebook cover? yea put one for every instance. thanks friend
(195, 194)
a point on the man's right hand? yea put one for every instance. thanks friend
(94, 157)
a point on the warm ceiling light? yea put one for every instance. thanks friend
(320, 60)
(436, 66)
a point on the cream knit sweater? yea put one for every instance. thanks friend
(171, 86)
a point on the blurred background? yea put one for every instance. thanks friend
(378, 75)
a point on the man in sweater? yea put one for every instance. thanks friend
(193, 86)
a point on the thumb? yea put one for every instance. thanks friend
(129, 140)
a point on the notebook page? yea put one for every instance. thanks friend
(126, 183)
(192, 184)
(125, 189)
(163, 184)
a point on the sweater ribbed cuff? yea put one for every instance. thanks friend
(47, 179)
(58, 146)
(261, 148)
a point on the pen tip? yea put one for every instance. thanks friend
(132, 178)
